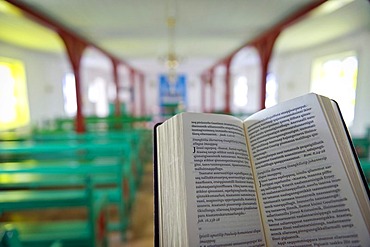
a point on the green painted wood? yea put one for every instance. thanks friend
(28, 199)
(53, 230)
(75, 169)
(91, 147)
(89, 136)
(51, 176)
(94, 123)
(365, 165)
(46, 233)
(362, 147)
(9, 236)
(34, 147)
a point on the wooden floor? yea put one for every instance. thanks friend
(140, 233)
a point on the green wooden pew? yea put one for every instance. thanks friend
(9, 236)
(109, 180)
(94, 123)
(79, 158)
(89, 232)
(134, 138)
(362, 146)
(14, 151)
(365, 165)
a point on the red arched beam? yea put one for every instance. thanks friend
(203, 82)
(227, 64)
(117, 103)
(132, 91)
(75, 44)
(266, 41)
(213, 91)
(207, 78)
(264, 48)
(142, 95)
(75, 49)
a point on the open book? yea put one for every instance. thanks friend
(285, 176)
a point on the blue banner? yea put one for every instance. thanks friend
(172, 94)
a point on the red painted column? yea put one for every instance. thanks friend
(142, 96)
(117, 103)
(75, 44)
(213, 91)
(203, 81)
(132, 91)
(227, 109)
(264, 47)
(75, 48)
(264, 44)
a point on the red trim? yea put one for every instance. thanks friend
(213, 91)
(101, 227)
(75, 45)
(132, 91)
(265, 48)
(290, 20)
(203, 82)
(126, 190)
(261, 42)
(75, 49)
(117, 103)
(49, 22)
(142, 96)
(227, 109)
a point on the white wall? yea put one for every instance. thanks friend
(45, 72)
(44, 75)
(293, 73)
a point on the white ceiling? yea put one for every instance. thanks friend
(206, 30)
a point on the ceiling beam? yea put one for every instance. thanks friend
(279, 27)
(51, 23)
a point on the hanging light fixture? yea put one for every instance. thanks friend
(171, 59)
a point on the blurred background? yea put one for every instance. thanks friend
(82, 83)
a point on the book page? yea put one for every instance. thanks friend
(306, 194)
(222, 205)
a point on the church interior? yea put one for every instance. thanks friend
(84, 82)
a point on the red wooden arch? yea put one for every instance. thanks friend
(75, 45)
(117, 103)
(75, 49)
(264, 45)
(142, 95)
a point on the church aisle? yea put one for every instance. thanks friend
(141, 232)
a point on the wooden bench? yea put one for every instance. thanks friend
(362, 146)
(111, 180)
(133, 138)
(82, 158)
(94, 124)
(88, 232)
(15, 151)
(9, 236)
(365, 165)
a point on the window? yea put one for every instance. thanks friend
(97, 94)
(241, 92)
(69, 92)
(14, 109)
(336, 77)
(271, 90)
